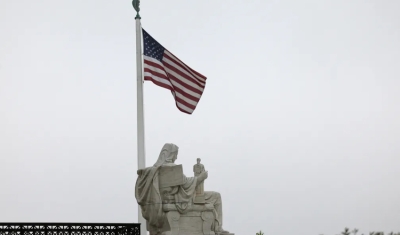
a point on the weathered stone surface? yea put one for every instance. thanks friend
(166, 197)
(199, 196)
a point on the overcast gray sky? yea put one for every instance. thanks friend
(298, 125)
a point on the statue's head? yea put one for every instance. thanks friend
(174, 153)
(198, 160)
(168, 154)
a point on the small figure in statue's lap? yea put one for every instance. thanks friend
(199, 196)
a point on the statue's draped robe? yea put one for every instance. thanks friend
(148, 196)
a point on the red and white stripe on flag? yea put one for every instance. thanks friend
(167, 71)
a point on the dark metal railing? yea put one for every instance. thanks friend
(69, 229)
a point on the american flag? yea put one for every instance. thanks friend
(166, 70)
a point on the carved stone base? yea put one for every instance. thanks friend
(173, 220)
(199, 199)
(191, 223)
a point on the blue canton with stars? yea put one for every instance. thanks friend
(151, 47)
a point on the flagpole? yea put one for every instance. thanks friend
(140, 112)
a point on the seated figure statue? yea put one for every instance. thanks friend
(164, 207)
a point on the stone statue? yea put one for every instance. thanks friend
(165, 196)
(198, 169)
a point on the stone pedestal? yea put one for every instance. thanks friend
(199, 199)
(199, 221)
